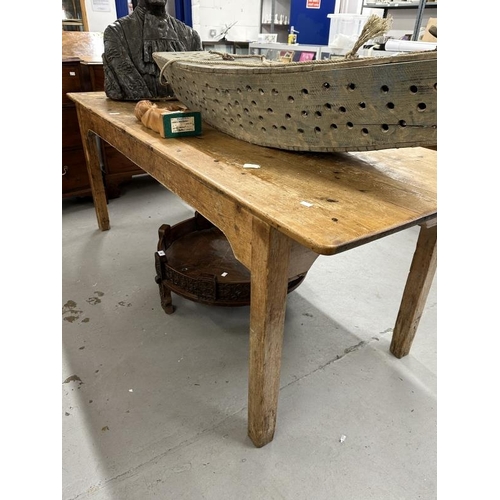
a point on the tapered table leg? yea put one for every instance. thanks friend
(269, 278)
(422, 270)
(91, 144)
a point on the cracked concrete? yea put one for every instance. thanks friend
(163, 410)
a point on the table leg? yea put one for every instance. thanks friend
(93, 155)
(422, 270)
(269, 279)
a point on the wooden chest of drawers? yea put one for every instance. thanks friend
(82, 71)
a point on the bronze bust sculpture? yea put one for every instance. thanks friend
(130, 73)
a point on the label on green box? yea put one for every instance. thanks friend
(182, 124)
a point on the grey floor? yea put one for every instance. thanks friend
(155, 405)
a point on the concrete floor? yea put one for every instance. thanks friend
(155, 405)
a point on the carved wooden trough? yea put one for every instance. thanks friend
(325, 106)
(195, 260)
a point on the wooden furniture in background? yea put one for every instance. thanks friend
(279, 218)
(82, 71)
(74, 15)
(195, 260)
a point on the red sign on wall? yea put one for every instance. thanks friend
(313, 4)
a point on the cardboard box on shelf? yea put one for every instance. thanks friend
(427, 37)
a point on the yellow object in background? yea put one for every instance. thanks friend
(292, 37)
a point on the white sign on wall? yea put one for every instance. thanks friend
(101, 6)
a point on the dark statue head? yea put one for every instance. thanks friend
(156, 7)
(130, 72)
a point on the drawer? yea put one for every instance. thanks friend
(74, 170)
(71, 79)
(97, 77)
(71, 137)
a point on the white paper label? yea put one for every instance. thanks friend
(182, 124)
(101, 5)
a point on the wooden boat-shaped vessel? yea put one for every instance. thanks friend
(325, 106)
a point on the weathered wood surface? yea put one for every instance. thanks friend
(279, 217)
(423, 268)
(324, 106)
(355, 197)
(270, 257)
(84, 45)
(92, 157)
(194, 260)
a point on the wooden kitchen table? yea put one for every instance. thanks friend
(279, 218)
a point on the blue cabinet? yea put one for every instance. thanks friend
(310, 19)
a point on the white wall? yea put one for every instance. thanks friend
(216, 14)
(207, 15)
(348, 6)
(99, 21)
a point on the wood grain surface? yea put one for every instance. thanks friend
(328, 202)
(279, 217)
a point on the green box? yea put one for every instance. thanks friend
(181, 123)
